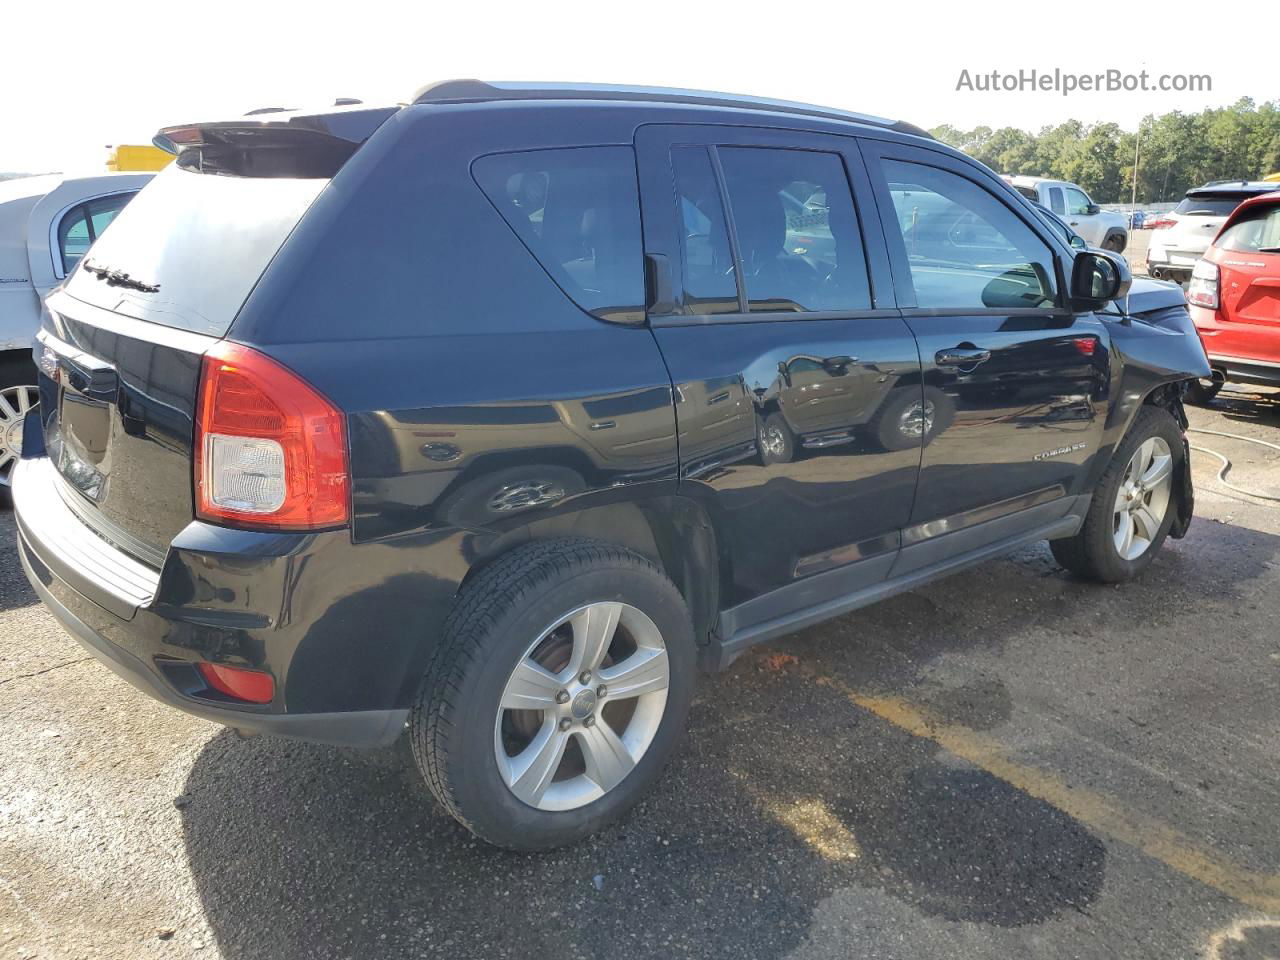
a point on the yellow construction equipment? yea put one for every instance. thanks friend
(137, 158)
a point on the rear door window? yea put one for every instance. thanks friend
(798, 242)
(577, 210)
(1056, 203)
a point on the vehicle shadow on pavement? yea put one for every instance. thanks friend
(785, 794)
(15, 591)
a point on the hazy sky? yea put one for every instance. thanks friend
(75, 77)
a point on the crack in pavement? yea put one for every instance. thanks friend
(36, 673)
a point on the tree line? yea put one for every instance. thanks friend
(1177, 151)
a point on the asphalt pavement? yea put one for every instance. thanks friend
(1009, 763)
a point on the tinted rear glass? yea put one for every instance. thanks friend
(1210, 205)
(201, 240)
(578, 212)
(1257, 231)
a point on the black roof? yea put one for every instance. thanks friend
(479, 91)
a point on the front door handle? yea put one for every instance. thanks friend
(961, 356)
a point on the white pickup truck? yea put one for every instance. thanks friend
(1100, 228)
(46, 225)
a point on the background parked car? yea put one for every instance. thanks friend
(46, 225)
(1100, 228)
(1182, 236)
(1235, 298)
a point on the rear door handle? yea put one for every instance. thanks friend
(961, 357)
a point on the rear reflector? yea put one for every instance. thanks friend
(271, 452)
(252, 686)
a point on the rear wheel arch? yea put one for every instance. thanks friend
(675, 533)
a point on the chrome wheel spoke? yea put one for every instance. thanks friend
(593, 629)
(1146, 519)
(7, 412)
(1124, 535)
(531, 771)
(1158, 472)
(645, 671)
(530, 688)
(607, 757)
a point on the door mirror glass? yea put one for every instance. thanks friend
(1077, 242)
(1098, 277)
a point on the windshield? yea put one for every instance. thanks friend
(1257, 231)
(1210, 204)
(188, 249)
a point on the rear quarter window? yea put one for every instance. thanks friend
(577, 211)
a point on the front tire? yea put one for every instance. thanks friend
(557, 694)
(1133, 504)
(774, 440)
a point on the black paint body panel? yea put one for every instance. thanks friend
(484, 409)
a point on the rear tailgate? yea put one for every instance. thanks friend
(117, 398)
(1247, 253)
(121, 345)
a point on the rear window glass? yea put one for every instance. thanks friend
(1210, 205)
(1257, 231)
(578, 212)
(197, 242)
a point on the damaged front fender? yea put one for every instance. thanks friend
(1153, 359)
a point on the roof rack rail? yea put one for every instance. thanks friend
(472, 91)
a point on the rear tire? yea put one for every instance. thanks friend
(1129, 493)
(523, 631)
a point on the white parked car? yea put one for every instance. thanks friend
(1180, 238)
(46, 226)
(1100, 228)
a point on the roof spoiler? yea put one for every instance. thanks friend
(473, 91)
(274, 143)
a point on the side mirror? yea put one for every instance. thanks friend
(1077, 242)
(1098, 277)
(1092, 209)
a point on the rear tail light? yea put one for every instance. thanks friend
(1203, 289)
(270, 451)
(1162, 224)
(252, 686)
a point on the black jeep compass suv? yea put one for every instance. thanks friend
(492, 418)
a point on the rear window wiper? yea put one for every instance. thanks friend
(1269, 249)
(118, 278)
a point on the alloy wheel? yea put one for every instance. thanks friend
(14, 404)
(1143, 498)
(772, 440)
(582, 706)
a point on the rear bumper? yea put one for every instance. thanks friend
(151, 628)
(1245, 352)
(1242, 370)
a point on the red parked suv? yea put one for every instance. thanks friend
(1235, 298)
